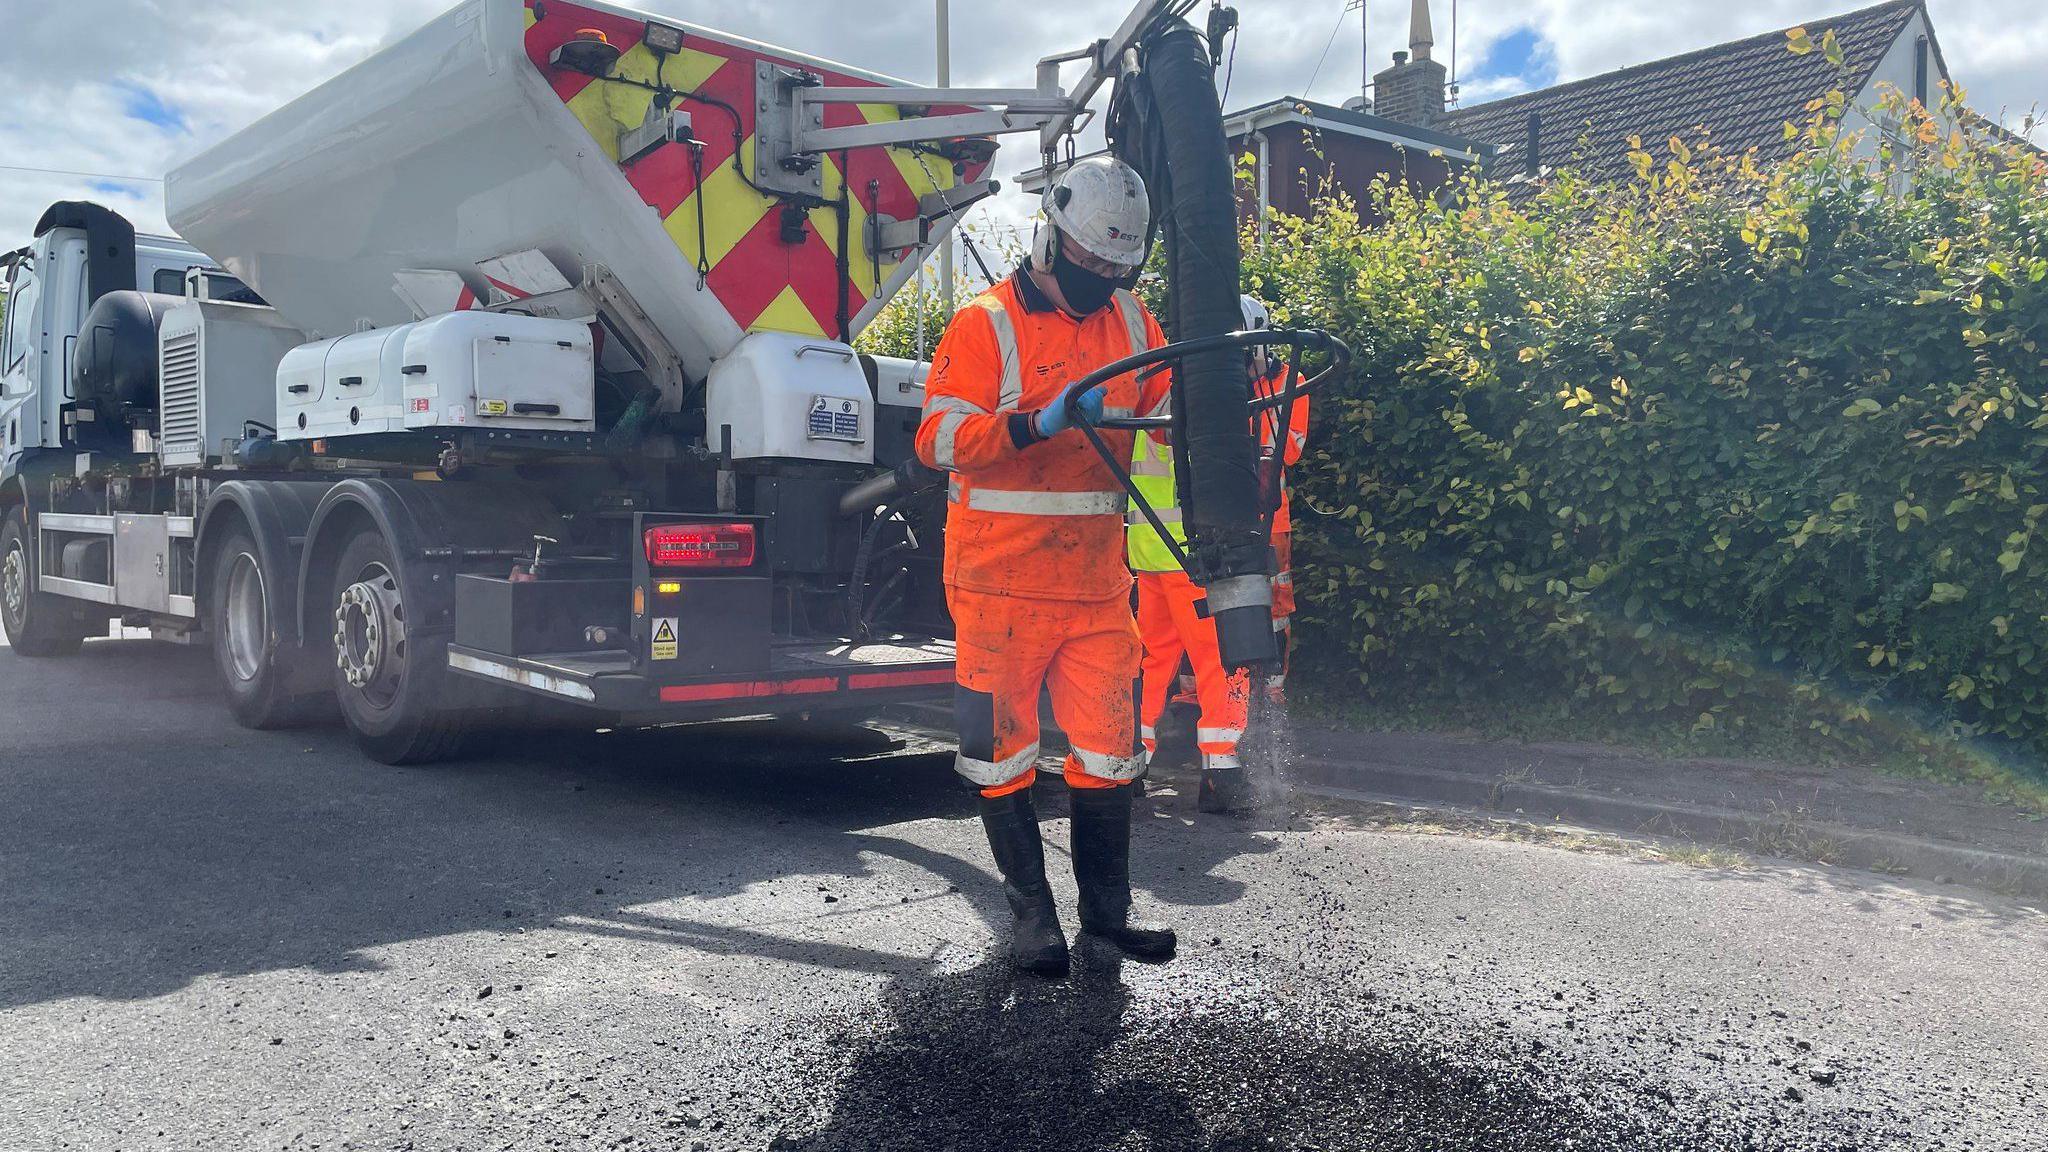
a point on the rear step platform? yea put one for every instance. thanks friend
(801, 676)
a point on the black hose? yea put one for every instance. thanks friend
(1166, 122)
(906, 478)
(857, 582)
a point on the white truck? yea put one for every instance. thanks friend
(515, 359)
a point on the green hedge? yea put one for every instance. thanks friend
(1721, 439)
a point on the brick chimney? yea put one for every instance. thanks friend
(1412, 91)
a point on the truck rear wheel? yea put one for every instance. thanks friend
(38, 624)
(390, 685)
(255, 669)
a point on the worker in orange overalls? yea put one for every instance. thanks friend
(1287, 441)
(1035, 574)
(1171, 621)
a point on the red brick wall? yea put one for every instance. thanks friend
(1307, 163)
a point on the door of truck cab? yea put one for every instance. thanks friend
(45, 306)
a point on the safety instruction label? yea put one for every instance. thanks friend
(492, 408)
(833, 418)
(664, 638)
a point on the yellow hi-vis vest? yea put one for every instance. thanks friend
(1152, 474)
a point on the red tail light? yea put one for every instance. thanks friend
(701, 546)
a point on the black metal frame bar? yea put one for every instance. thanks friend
(1167, 357)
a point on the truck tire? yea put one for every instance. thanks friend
(38, 624)
(390, 687)
(255, 669)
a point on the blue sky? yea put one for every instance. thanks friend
(1516, 62)
(142, 103)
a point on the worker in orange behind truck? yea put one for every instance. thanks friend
(1171, 621)
(1035, 575)
(1285, 436)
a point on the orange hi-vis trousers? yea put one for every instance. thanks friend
(1172, 628)
(1083, 653)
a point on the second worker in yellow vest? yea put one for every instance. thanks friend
(1170, 622)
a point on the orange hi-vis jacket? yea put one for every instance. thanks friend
(1031, 518)
(1294, 435)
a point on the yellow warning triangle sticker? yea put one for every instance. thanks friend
(664, 633)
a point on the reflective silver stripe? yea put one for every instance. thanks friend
(1218, 735)
(1147, 732)
(1166, 516)
(1128, 307)
(1118, 413)
(954, 489)
(1284, 580)
(1046, 503)
(946, 438)
(1218, 761)
(1010, 392)
(1280, 623)
(1147, 461)
(1164, 406)
(1275, 683)
(1103, 766)
(1240, 592)
(952, 404)
(954, 412)
(992, 773)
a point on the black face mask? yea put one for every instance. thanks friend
(1087, 292)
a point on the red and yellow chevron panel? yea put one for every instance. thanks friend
(763, 282)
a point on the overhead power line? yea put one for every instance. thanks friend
(1338, 27)
(81, 175)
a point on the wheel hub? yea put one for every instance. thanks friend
(369, 633)
(14, 579)
(247, 618)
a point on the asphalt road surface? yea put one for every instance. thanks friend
(218, 939)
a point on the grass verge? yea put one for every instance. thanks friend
(1786, 735)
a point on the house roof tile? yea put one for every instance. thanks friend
(1740, 94)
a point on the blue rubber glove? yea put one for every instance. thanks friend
(1053, 420)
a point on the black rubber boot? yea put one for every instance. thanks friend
(1226, 792)
(1102, 870)
(1036, 942)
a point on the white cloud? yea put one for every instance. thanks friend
(222, 64)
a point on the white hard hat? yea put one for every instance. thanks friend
(1255, 314)
(1258, 357)
(1100, 204)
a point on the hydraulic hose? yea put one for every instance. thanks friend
(907, 477)
(1166, 122)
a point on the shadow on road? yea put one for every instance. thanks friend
(987, 1059)
(145, 841)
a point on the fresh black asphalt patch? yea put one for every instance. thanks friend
(982, 1060)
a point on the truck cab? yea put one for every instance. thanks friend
(80, 253)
